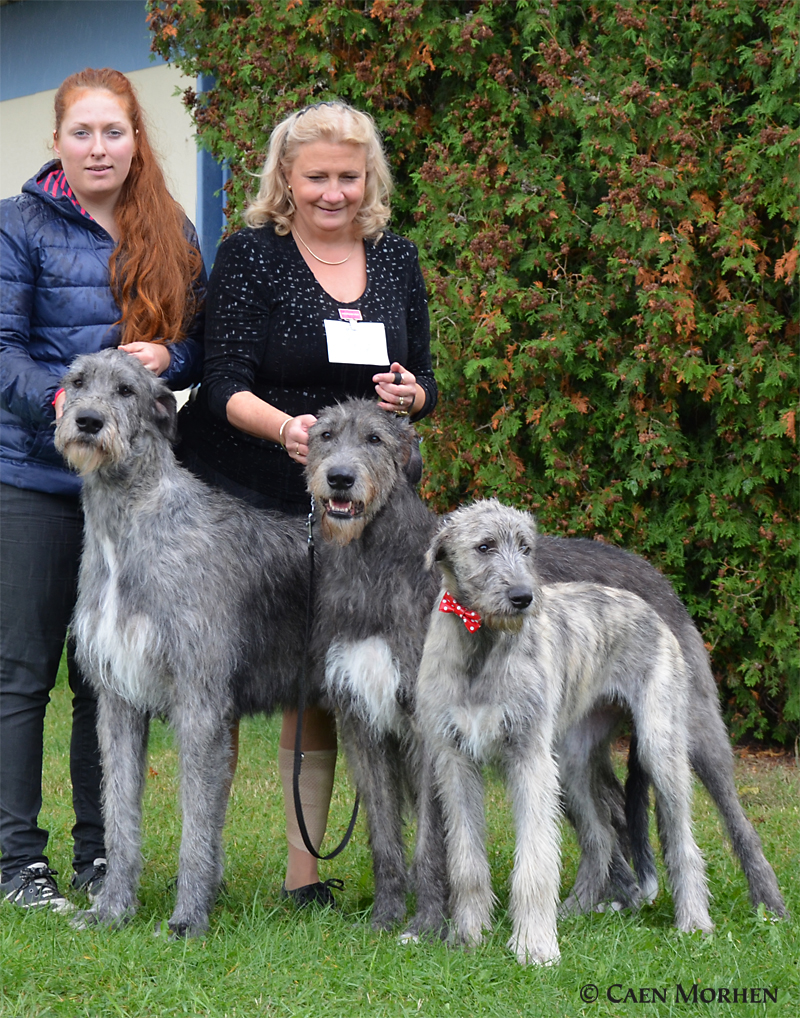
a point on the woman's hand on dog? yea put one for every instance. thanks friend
(295, 436)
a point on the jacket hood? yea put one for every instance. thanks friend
(62, 203)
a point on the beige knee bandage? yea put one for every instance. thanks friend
(316, 785)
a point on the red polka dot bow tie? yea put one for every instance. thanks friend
(471, 620)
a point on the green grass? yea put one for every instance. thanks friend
(262, 959)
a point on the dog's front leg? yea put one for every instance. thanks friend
(204, 739)
(533, 784)
(122, 731)
(430, 856)
(377, 765)
(461, 789)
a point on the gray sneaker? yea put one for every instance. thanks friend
(90, 880)
(35, 887)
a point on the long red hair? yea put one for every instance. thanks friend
(153, 267)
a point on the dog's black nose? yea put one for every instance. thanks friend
(89, 423)
(520, 597)
(339, 478)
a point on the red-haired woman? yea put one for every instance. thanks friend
(94, 253)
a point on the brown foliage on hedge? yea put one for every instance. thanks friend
(605, 198)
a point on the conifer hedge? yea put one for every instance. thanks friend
(605, 199)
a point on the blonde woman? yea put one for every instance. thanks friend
(315, 257)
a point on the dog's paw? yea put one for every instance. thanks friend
(649, 890)
(387, 919)
(467, 939)
(425, 928)
(610, 906)
(84, 920)
(88, 918)
(163, 931)
(702, 924)
(535, 951)
(179, 930)
(572, 906)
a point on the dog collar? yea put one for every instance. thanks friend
(471, 620)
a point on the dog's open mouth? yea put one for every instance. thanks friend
(343, 509)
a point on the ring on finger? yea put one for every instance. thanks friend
(398, 378)
(402, 401)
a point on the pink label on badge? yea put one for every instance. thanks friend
(350, 315)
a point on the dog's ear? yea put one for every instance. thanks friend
(166, 413)
(437, 552)
(412, 466)
(529, 522)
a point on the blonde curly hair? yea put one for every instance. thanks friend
(334, 122)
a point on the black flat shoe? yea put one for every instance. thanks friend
(314, 894)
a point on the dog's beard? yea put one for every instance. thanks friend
(344, 520)
(85, 457)
(342, 530)
(504, 623)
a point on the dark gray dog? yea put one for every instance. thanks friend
(373, 600)
(509, 666)
(592, 803)
(191, 605)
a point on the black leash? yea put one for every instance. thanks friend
(301, 703)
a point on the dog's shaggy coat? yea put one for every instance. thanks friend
(373, 599)
(191, 605)
(544, 658)
(372, 611)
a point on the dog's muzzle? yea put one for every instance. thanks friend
(340, 480)
(520, 597)
(89, 423)
(343, 509)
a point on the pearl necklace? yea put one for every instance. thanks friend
(324, 262)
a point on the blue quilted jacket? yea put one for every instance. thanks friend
(55, 304)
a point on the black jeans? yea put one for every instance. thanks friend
(40, 546)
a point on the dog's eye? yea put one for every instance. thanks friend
(325, 436)
(125, 390)
(525, 549)
(374, 439)
(486, 547)
(77, 382)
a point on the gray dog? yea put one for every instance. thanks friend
(509, 665)
(373, 599)
(191, 605)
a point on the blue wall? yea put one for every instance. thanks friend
(44, 41)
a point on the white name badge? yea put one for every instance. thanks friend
(356, 343)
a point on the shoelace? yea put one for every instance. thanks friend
(99, 869)
(319, 892)
(43, 878)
